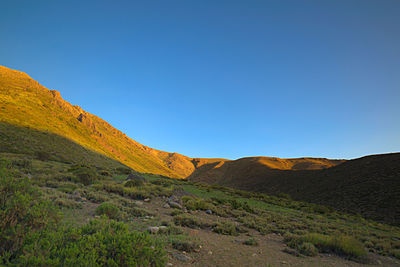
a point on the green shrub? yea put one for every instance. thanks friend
(175, 212)
(108, 209)
(225, 228)
(251, 242)
(100, 243)
(85, 175)
(189, 221)
(342, 245)
(133, 183)
(22, 211)
(308, 249)
(182, 243)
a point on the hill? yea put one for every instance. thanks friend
(369, 186)
(27, 105)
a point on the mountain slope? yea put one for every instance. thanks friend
(25, 103)
(369, 186)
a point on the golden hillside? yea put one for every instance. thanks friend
(25, 103)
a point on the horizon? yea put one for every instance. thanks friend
(186, 95)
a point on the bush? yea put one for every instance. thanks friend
(85, 174)
(308, 249)
(133, 183)
(341, 245)
(108, 209)
(42, 155)
(225, 228)
(189, 221)
(183, 244)
(22, 211)
(251, 242)
(100, 243)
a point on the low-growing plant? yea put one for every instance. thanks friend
(225, 228)
(108, 209)
(251, 242)
(182, 243)
(189, 221)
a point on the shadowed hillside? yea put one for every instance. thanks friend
(369, 185)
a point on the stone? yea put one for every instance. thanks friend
(138, 203)
(166, 206)
(175, 205)
(146, 200)
(173, 198)
(153, 229)
(181, 257)
(208, 211)
(169, 264)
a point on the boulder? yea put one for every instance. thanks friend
(166, 206)
(209, 211)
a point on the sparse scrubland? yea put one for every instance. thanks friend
(55, 213)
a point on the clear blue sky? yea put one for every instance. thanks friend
(221, 78)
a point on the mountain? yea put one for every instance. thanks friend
(25, 106)
(38, 122)
(369, 185)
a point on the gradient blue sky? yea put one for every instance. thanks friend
(221, 78)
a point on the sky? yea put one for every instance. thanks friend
(226, 79)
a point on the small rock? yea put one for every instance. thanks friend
(284, 262)
(208, 211)
(166, 206)
(169, 264)
(210, 252)
(185, 209)
(138, 203)
(173, 198)
(181, 257)
(146, 200)
(83, 199)
(96, 216)
(153, 229)
(175, 205)
(254, 254)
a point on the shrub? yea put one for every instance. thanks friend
(108, 209)
(251, 242)
(342, 245)
(85, 174)
(22, 211)
(308, 249)
(189, 221)
(42, 155)
(133, 183)
(100, 243)
(183, 244)
(225, 228)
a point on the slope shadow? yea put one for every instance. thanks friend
(28, 141)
